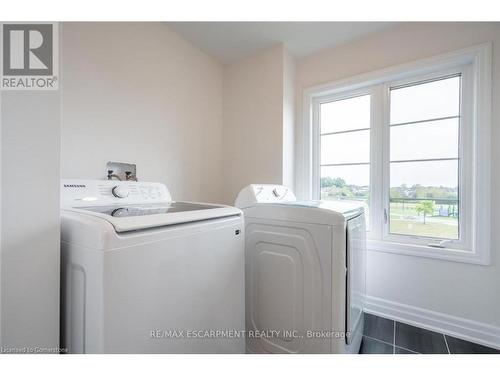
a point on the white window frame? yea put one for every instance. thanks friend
(474, 65)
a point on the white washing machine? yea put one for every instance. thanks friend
(144, 274)
(305, 272)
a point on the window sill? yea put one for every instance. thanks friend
(448, 254)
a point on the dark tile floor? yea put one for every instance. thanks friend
(385, 336)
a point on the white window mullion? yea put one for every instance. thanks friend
(376, 148)
(386, 169)
(316, 153)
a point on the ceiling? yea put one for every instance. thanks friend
(230, 41)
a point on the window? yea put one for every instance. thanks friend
(424, 159)
(345, 149)
(412, 142)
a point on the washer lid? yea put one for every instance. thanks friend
(149, 209)
(141, 216)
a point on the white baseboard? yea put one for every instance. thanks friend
(465, 329)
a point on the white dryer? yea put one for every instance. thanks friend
(144, 274)
(305, 272)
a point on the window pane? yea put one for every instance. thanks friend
(425, 140)
(346, 148)
(345, 182)
(424, 199)
(345, 114)
(426, 101)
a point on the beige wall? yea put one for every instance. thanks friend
(253, 121)
(137, 92)
(454, 289)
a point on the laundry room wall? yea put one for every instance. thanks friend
(29, 257)
(139, 93)
(437, 292)
(258, 121)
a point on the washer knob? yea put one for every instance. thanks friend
(276, 193)
(120, 191)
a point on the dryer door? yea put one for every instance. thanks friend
(356, 274)
(287, 279)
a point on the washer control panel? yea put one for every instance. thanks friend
(80, 193)
(120, 191)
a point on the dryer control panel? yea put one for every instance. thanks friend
(264, 193)
(80, 193)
